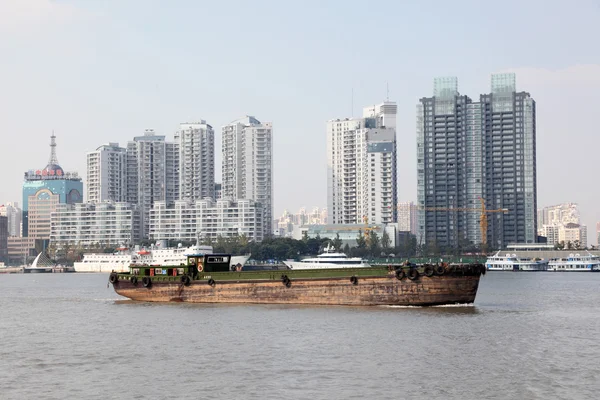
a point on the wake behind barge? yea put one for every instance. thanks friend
(208, 279)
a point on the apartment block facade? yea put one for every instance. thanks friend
(361, 168)
(247, 170)
(191, 221)
(87, 224)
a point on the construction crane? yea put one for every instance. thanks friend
(483, 219)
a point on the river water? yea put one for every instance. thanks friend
(528, 336)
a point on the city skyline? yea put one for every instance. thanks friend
(161, 95)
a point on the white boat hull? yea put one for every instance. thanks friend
(321, 265)
(123, 266)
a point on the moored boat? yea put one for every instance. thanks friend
(209, 279)
(575, 263)
(330, 258)
(123, 258)
(510, 262)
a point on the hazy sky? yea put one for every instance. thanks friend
(100, 71)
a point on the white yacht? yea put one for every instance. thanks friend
(510, 262)
(124, 257)
(576, 263)
(328, 259)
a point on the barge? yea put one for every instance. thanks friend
(208, 278)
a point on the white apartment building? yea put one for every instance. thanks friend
(152, 173)
(207, 218)
(561, 223)
(14, 215)
(107, 174)
(361, 168)
(86, 224)
(407, 217)
(247, 169)
(196, 141)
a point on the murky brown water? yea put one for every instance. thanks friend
(529, 336)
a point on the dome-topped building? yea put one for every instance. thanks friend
(43, 190)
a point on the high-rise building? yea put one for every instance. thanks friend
(471, 150)
(361, 167)
(407, 217)
(43, 190)
(598, 234)
(14, 215)
(247, 169)
(151, 176)
(107, 174)
(3, 238)
(196, 141)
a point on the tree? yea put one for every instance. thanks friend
(337, 242)
(361, 243)
(385, 241)
(373, 243)
(305, 236)
(569, 245)
(347, 249)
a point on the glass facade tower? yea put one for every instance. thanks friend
(471, 150)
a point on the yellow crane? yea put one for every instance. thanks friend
(483, 219)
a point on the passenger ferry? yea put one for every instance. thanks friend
(576, 263)
(510, 262)
(328, 259)
(123, 258)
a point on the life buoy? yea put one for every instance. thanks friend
(412, 274)
(428, 270)
(134, 280)
(185, 279)
(211, 282)
(440, 270)
(400, 274)
(354, 280)
(113, 278)
(146, 281)
(200, 268)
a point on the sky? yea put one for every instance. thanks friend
(103, 71)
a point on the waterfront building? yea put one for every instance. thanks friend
(20, 249)
(107, 174)
(3, 239)
(14, 215)
(87, 224)
(348, 233)
(361, 167)
(152, 173)
(471, 150)
(247, 169)
(43, 190)
(207, 219)
(196, 142)
(407, 217)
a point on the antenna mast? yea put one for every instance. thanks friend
(53, 159)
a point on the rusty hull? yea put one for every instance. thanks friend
(368, 291)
